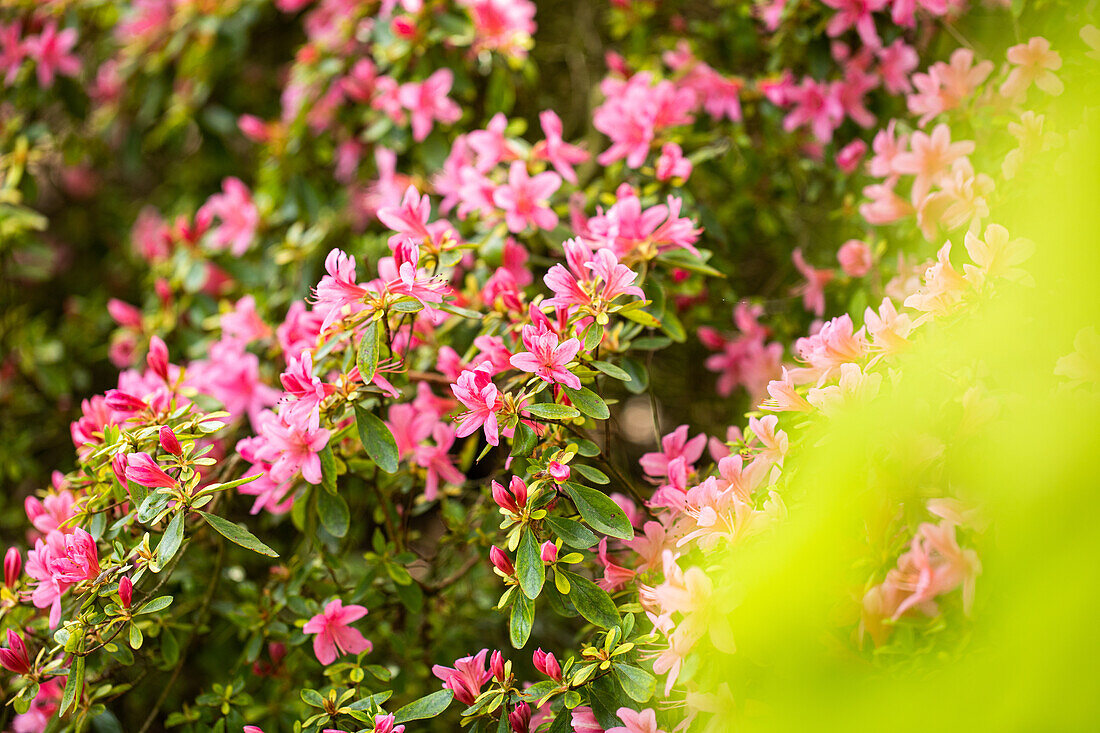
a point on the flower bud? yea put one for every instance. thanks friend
(15, 658)
(558, 471)
(13, 563)
(385, 723)
(124, 314)
(547, 663)
(496, 666)
(143, 470)
(520, 718)
(157, 358)
(501, 562)
(119, 400)
(549, 552)
(169, 441)
(125, 591)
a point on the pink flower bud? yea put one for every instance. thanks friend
(501, 562)
(549, 551)
(514, 498)
(848, 159)
(122, 402)
(13, 564)
(118, 466)
(15, 658)
(403, 26)
(125, 591)
(157, 358)
(855, 258)
(169, 441)
(386, 724)
(252, 729)
(164, 292)
(496, 666)
(124, 314)
(520, 718)
(547, 663)
(558, 471)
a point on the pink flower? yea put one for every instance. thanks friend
(385, 723)
(855, 258)
(144, 471)
(306, 390)
(505, 26)
(555, 150)
(547, 663)
(338, 290)
(52, 53)
(13, 564)
(672, 163)
(813, 290)
(1033, 62)
(896, 62)
(410, 219)
(816, 105)
(52, 512)
(525, 199)
(512, 499)
(855, 14)
(674, 445)
(239, 217)
(428, 102)
(294, 446)
(491, 146)
(477, 393)
(627, 229)
(584, 720)
(125, 591)
(335, 637)
(930, 157)
(546, 358)
(12, 50)
(549, 552)
(635, 722)
(466, 678)
(558, 471)
(635, 111)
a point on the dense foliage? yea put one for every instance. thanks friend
(429, 362)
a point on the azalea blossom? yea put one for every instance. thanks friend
(334, 635)
(547, 358)
(238, 217)
(525, 199)
(52, 53)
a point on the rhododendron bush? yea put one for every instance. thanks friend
(502, 365)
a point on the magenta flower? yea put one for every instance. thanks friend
(296, 445)
(169, 441)
(672, 163)
(79, 561)
(410, 218)
(386, 723)
(546, 358)
(12, 51)
(512, 499)
(855, 14)
(635, 722)
(427, 101)
(466, 678)
(547, 663)
(238, 215)
(477, 393)
(335, 637)
(816, 105)
(52, 53)
(338, 289)
(525, 199)
(144, 471)
(13, 565)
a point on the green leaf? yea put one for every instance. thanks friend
(639, 376)
(521, 621)
(312, 698)
(136, 639)
(237, 534)
(642, 317)
(636, 682)
(171, 539)
(594, 475)
(611, 370)
(607, 697)
(523, 441)
(591, 601)
(157, 604)
(550, 411)
(407, 305)
(73, 687)
(671, 325)
(529, 568)
(377, 440)
(366, 358)
(328, 469)
(600, 511)
(426, 707)
(571, 532)
(588, 402)
(333, 512)
(687, 261)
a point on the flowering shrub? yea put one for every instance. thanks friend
(427, 404)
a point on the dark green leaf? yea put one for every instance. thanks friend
(588, 402)
(523, 617)
(237, 534)
(594, 475)
(636, 682)
(171, 539)
(377, 440)
(367, 356)
(73, 686)
(157, 604)
(529, 568)
(607, 697)
(333, 512)
(328, 469)
(523, 441)
(591, 601)
(600, 511)
(549, 411)
(571, 532)
(426, 707)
